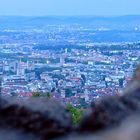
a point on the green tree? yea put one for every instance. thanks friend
(76, 114)
(48, 94)
(36, 94)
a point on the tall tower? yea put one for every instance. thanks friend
(30, 65)
(66, 51)
(62, 60)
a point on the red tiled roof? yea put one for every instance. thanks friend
(25, 94)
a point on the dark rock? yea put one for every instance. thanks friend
(46, 119)
(111, 111)
(42, 119)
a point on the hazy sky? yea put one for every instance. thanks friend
(69, 7)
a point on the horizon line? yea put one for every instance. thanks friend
(103, 16)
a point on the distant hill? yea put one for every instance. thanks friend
(117, 23)
(100, 29)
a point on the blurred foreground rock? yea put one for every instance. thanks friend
(110, 118)
(39, 117)
(109, 112)
(128, 130)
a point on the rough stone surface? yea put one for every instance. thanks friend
(111, 111)
(45, 119)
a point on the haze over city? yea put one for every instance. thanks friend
(69, 69)
(69, 7)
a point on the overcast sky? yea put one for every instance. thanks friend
(69, 7)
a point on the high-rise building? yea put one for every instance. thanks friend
(30, 65)
(62, 60)
(20, 71)
(66, 51)
(13, 66)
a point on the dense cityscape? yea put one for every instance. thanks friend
(73, 70)
(69, 70)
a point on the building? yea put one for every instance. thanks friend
(62, 60)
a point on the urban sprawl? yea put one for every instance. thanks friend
(76, 71)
